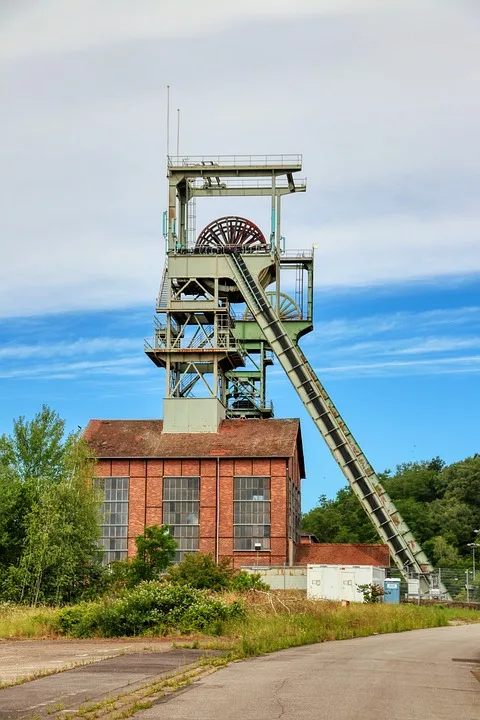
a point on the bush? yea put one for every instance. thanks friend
(202, 572)
(244, 581)
(371, 592)
(152, 608)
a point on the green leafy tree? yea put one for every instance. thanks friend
(36, 448)
(155, 553)
(49, 519)
(60, 558)
(441, 505)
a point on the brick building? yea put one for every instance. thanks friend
(342, 553)
(222, 492)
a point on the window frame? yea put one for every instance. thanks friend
(258, 516)
(189, 539)
(113, 554)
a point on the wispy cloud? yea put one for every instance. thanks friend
(432, 342)
(430, 367)
(121, 366)
(68, 349)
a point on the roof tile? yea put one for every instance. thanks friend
(235, 438)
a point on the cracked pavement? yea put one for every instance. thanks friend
(417, 675)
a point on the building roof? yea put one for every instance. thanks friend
(235, 438)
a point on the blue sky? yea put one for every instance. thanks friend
(401, 363)
(381, 99)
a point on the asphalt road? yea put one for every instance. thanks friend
(418, 675)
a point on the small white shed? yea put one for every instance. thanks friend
(340, 582)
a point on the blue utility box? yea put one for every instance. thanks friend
(392, 590)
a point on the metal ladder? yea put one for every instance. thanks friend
(392, 529)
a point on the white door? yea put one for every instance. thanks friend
(348, 586)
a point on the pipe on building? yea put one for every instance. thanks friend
(217, 512)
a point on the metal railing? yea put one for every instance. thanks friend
(240, 161)
(261, 183)
(307, 254)
(224, 250)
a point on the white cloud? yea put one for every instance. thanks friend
(69, 349)
(55, 26)
(398, 324)
(396, 367)
(135, 365)
(404, 343)
(380, 97)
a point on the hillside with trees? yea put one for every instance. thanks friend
(440, 503)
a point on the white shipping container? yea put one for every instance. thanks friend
(340, 582)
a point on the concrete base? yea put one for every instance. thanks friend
(192, 415)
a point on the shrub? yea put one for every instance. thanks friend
(202, 572)
(371, 593)
(243, 581)
(151, 607)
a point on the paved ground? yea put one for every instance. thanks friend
(24, 658)
(92, 683)
(418, 675)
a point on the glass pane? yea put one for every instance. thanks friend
(251, 511)
(181, 508)
(113, 517)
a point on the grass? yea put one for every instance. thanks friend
(276, 621)
(20, 621)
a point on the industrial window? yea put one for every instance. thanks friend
(113, 517)
(251, 513)
(294, 515)
(181, 497)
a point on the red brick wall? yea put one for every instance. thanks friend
(145, 500)
(343, 554)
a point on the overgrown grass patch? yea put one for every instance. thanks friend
(277, 621)
(269, 621)
(21, 621)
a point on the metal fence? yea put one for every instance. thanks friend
(462, 583)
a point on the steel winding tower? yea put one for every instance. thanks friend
(218, 328)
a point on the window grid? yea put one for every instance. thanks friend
(294, 514)
(113, 517)
(181, 504)
(251, 512)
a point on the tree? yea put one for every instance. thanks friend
(36, 448)
(155, 553)
(49, 512)
(441, 505)
(12, 518)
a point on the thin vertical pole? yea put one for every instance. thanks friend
(168, 121)
(178, 132)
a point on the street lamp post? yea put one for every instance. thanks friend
(473, 546)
